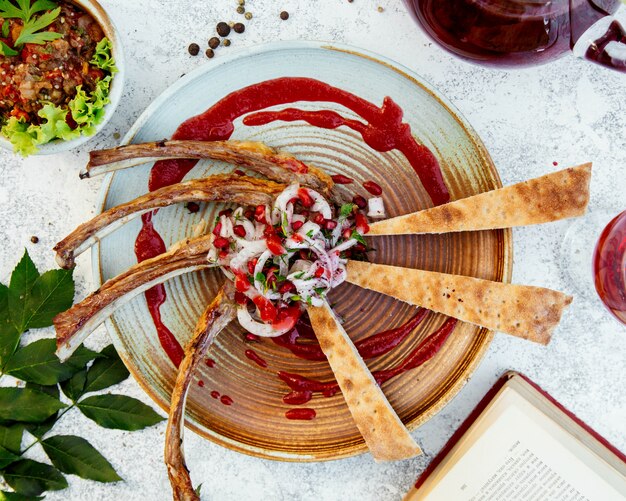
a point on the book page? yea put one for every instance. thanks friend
(515, 454)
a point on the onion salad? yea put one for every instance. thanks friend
(284, 257)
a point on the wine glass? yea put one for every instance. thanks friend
(594, 257)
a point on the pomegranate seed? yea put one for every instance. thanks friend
(297, 237)
(305, 213)
(226, 212)
(259, 213)
(341, 179)
(252, 265)
(305, 198)
(239, 172)
(329, 224)
(223, 254)
(318, 218)
(217, 229)
(220, 242)
(240, 298)
(304, 254)
(248, 214)
(319, 272)
(286, 287)
(373, 188)
(296, 225)
(361, 223)
(193, 207)
(239, 230)
(347, 233)
(274, 245)
(360, 202)
(360, 247)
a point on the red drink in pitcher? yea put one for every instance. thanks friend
(521, 32)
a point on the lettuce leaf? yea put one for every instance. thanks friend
(103, 58)
(87, 110)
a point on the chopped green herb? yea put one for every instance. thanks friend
(310, 233)
(346, 210)
(259, 277)
(296, 298)
(298, 275)
(358, 237)
(31, 30)
(319, 290)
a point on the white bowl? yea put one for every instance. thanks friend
(99, 14)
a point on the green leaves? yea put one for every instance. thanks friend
(119, 412)
(75, 455)
(32, 300)
(27, 405)
(37, 362)
(31, 26)
(106, 371)
(31, 478)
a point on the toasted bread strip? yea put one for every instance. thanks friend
(385, 435)
(241, 190)
(257, 156)
(555, 196)
(215, 318)
(524, 311)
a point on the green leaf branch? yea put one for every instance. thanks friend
(49, 389)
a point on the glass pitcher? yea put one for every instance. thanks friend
(510, 33)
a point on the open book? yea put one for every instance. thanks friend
(520, 444)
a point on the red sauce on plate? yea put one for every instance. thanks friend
(381, 128)
(303, 414)
(256, 358)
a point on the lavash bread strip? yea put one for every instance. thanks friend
(555, 196)
(385, 435)
(524, 311)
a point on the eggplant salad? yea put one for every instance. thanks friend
(56, 69)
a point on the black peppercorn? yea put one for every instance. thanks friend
(239, 27)
(222, 29)
(209, 53)
(284, 15)
(194, 49)
(226, 42)
(214, 42)
(193, 207)
(241, 9)
(34, 239)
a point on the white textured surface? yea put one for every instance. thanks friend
(568, 112)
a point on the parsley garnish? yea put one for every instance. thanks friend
(259, 277)
(310, 233)
(31, 31)
(346, 210)
(358, 237)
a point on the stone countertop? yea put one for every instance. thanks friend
(567, 112)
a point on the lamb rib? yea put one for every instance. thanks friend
(257, 156)
(242, 190)
(215, 318)
(74, 325)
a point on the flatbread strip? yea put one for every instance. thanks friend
(385, 435)
(242, 190)
(215, 318)
(555, 196)
(74, 325)
(257, 156)
(524, 311)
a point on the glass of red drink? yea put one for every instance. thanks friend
(510, 33)
(609, 266)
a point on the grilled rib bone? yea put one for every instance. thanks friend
(242, 190)
(259, 157)
(74, 325)
(215, 318)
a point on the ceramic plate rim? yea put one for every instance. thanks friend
(466, 372)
